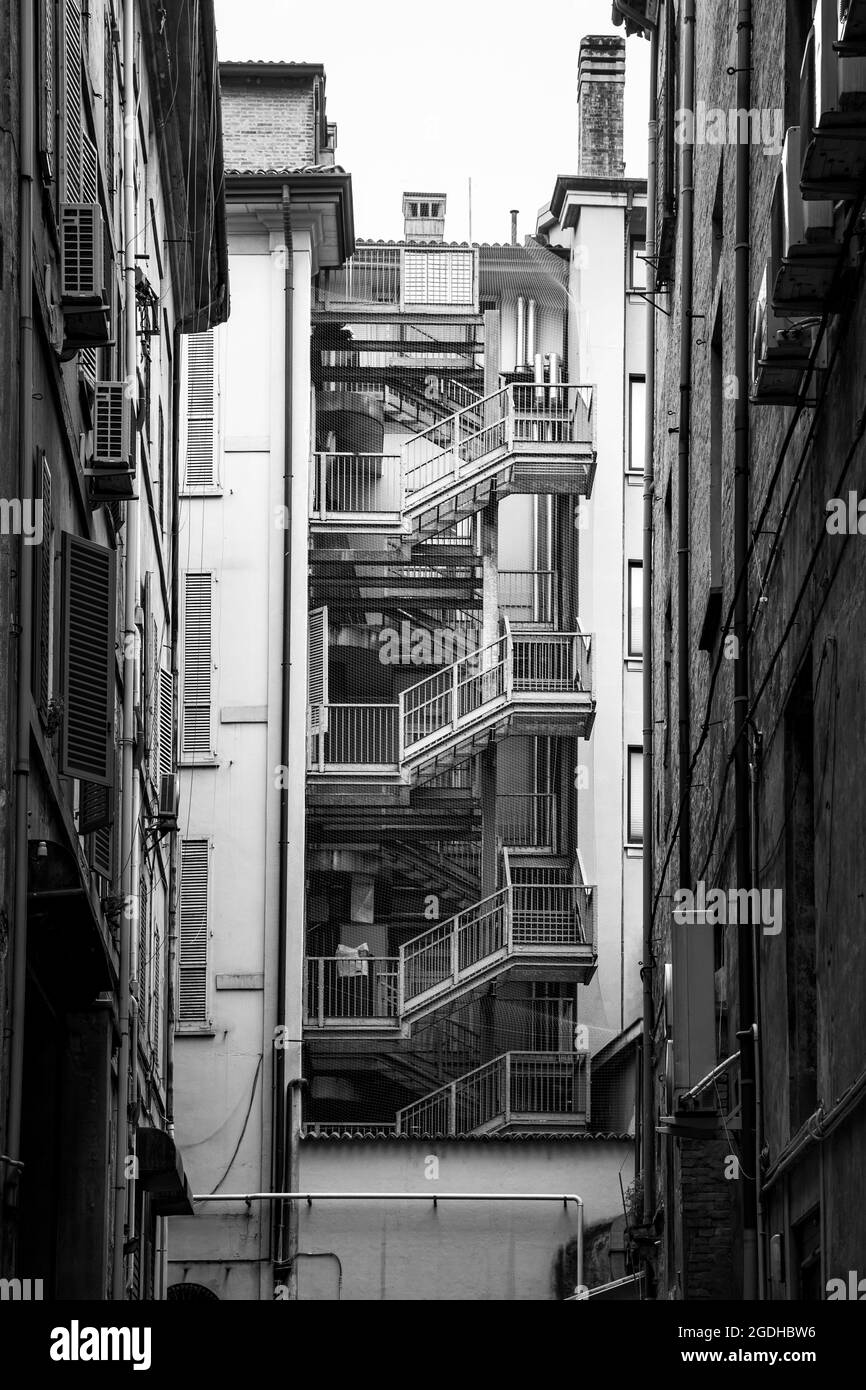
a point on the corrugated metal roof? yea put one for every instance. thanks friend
(284, 173)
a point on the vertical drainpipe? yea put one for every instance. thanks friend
(648, 1174)
(742, 788)
(27, 61)
(683, 457)
(174, 563)
(285, 1161)
(520, 342)
(129, 798)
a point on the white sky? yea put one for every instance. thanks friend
(428, 95)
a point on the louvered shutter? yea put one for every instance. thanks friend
(150, 694)
(143, 935)
(95, 807)
(155, 999)
(72, 122)
(89, 170)
(200, 400)
(197, 663)
(166, 723)
(193, 943)
(44, 563)
(318, 669)
(47, 103)
(88, 660)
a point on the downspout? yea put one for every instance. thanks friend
(174, 562)
(285, 1134)
(742, 780)
(12, 1158)
(129, 789)
(683, 457)
(648, 1174)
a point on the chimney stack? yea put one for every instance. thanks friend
(600, 99)
(424, 217)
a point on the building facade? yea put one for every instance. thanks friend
(758, 463)
(113, 248)
(428, 966)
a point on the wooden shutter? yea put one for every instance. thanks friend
(72, 115)
(48, 94)
(44, 571)
(150, 692)
(193, 942)
(95, 807)
(197, 663)
(166, 723)
(318, 669)
(143, 942)
(88, 660)
(155, 999)
(200, 401)
(89, 170)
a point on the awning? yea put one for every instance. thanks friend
(160, 1173)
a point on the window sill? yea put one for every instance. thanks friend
(203, 1032)
(634, 663)
(205, 760)
(193, 492)
(633, 851)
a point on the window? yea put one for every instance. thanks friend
(193, 935)
(425, 209)
(439, 277)
(197, 664)
(638, 264)
(636, 424)
(635, 608)
(413, 209)
(88, 660)
(635, 796)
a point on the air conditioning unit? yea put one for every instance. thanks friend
(110, 472)
(805, 253)
(832, 112)
(169, 801)
(83, 278)
(781, 349)
(643, 13)
(852, 21)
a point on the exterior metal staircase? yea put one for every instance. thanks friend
(519, 1090)
(526, 438)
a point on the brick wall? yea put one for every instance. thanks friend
(600, 94)
(268, 125)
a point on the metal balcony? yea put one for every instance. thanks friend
(514, 1091)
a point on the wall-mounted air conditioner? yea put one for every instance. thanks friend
(781, 348)
(832, 112)
(805, 253)
(83, 277)
(169, 801)
(110, 470)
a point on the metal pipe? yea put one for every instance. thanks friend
(648, 1173)
(281, 1113)
(27, 64)
(742, 787)
(129, 798)
(514, 215)
(309, 1197)
(171, 962)
(531, 330)
(683, 457)
(520, 340)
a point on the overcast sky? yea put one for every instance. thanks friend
(427, 96)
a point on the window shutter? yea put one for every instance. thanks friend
(150, 694)
(197, 662)
(143, 935)
(89, 170)
(88, 660)
(95, 807)
(101, 855)
(193, 943)
(47, 105)
(72, 122)
(166, 723)
(200, 429)
(318, 668)
(44, 562)
(155, 1000)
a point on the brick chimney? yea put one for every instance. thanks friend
(600, 95)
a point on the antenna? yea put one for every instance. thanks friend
(470, 209)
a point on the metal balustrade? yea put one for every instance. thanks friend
(515, 421)
(515, 918)
(516, 1087)
(528, 596)
(355, 737)
(342, 989)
